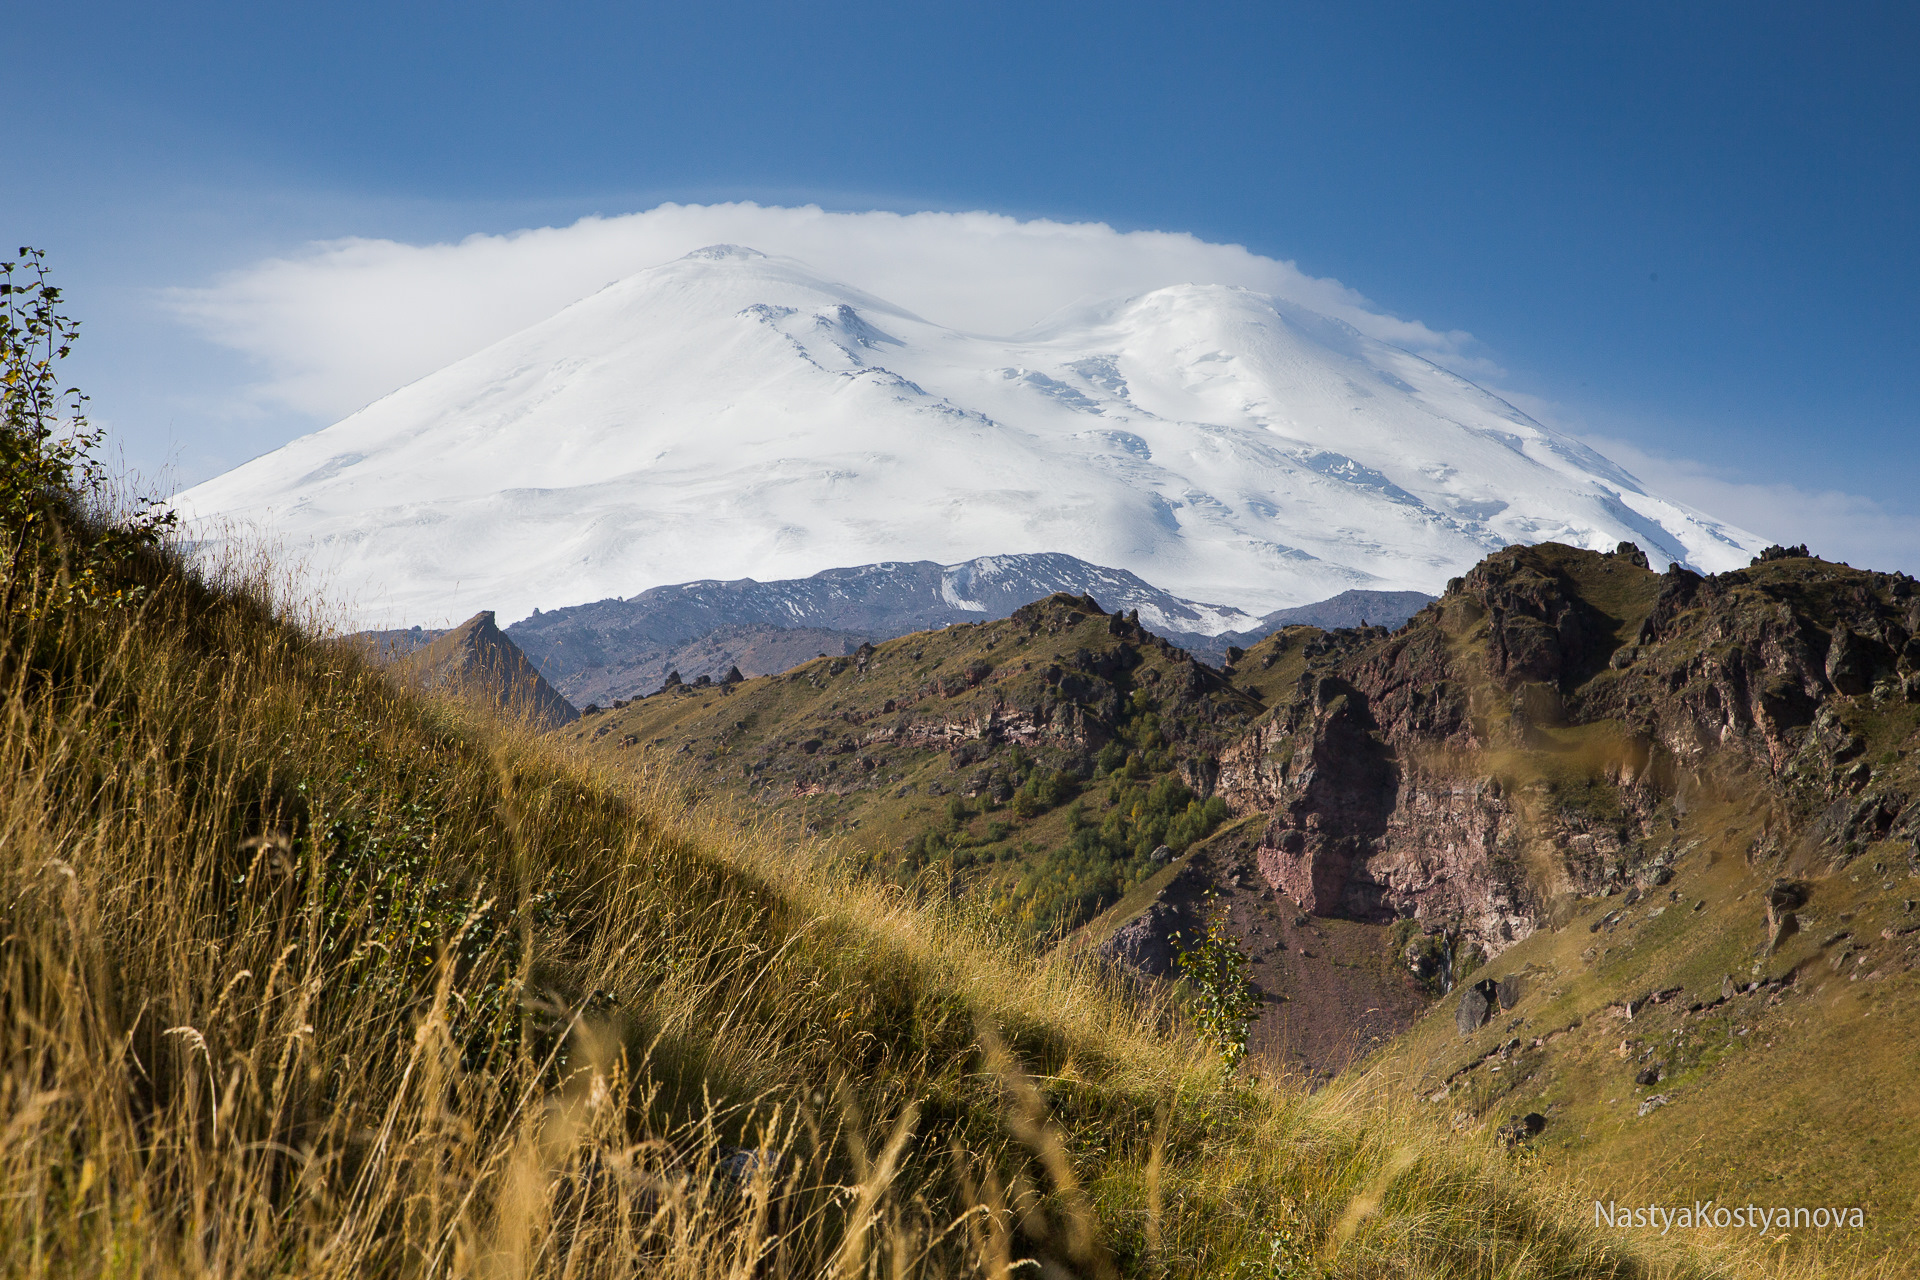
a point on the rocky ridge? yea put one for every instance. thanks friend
(1535, 733)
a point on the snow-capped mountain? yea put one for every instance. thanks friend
(731, 415)
(621, 648)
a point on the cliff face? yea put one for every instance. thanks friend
(1533, 733)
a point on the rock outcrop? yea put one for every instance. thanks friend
(477, 659)
(1522, 738)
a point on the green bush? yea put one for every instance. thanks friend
(61, 542)
(1220, 998)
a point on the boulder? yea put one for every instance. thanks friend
(1472, 1013)
(1510, 990)
(1849, 668)
(1146, 942)
(1520, 1128)
(1782, 899)
(1648, 1075)
(1477, 1004)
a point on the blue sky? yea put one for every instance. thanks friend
(1685, 230)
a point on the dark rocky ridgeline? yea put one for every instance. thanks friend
(1528, 736)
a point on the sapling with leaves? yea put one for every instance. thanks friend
(60, 535)
(1220, 997)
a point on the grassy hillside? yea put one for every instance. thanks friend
(305, 975)
(1041, 759)
(1675, 1058)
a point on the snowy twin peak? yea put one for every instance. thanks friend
(731, 415)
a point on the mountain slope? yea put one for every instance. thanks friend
(616, 649)
(972, 746)
(1678, 820)
(303, 974)
(477, 659)
(733, 413)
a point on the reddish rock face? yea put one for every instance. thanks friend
(1522, 738)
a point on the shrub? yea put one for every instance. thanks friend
(1099, 864)
(1220, 998)
(60, 541)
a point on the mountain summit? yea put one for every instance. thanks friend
(732, 414)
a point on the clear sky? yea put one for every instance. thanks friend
(1685, 230)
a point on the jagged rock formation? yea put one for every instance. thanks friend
(1522, 739)
(477, 659)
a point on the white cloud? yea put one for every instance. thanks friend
(345, 321)
(1833, 525)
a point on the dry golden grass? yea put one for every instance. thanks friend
(304, 974)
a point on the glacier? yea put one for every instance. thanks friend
(731, 414)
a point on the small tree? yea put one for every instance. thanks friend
(1220, 998)
(59, 542)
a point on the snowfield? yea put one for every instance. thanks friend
(732, 415)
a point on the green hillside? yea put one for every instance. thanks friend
(1041, 760)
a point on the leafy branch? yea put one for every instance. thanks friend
(59, 544)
